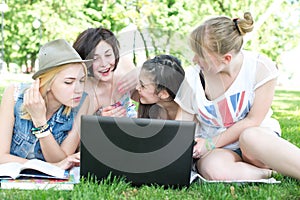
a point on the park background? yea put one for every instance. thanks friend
(146, 28)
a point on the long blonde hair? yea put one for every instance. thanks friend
(46, 80)
(219, 35)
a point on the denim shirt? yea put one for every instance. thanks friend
(24, 142)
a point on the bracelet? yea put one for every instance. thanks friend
(209, 144)
(40, 129)
(43, 134)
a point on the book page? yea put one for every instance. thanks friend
(74, 175)
(45, 167)
(10, 170)
(44, 184)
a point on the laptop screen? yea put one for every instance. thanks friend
(144, 151)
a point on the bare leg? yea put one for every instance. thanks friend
(223, 164)
(262, 147)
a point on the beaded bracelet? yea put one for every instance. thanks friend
(44, 134)
(40, 129)
(209, 144)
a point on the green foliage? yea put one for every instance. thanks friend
(166, 22)
(277, 26)
(287, 111)
(22, 39)
(279, 32)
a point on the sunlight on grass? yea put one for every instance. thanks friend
(286, 110)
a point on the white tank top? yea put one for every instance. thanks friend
(217, 115)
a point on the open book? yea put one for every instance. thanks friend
(42, 183)
(32, 168)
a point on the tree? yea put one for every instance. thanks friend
(163, 25)
(58, 19)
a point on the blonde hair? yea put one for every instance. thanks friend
(46, 80)
(220, 35)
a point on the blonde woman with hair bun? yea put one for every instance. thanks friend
(237, 138)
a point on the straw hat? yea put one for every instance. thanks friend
(56, 53)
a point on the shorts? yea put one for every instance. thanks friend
(238, 151)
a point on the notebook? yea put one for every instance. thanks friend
(142, 151)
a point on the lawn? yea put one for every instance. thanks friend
(286, 110)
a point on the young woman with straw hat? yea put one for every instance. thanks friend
(37, 120)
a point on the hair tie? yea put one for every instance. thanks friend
(236, 25)
(156, 59)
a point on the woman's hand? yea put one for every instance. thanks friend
(114, 111)
(199, 148)
(128, 82)
(69, 162)
(35, 104)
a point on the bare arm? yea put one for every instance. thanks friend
(183, 115)
(35, 106)
(261, 105)
(254, 118)
(52, 151)
(7, 121)
(127, 76)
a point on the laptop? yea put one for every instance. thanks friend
(143, 151)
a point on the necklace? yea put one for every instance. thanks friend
(95, 86)
(99, 110)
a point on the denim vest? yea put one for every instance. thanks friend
(24, 144)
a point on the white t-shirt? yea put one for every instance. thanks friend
(215, 116)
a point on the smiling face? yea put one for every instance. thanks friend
(147, 89)
(104, 62)
(68, 85)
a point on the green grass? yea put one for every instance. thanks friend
(286, 110)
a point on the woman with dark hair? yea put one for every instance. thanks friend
(159, 81)
(110, 94)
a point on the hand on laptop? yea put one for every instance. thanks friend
(199, 148)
